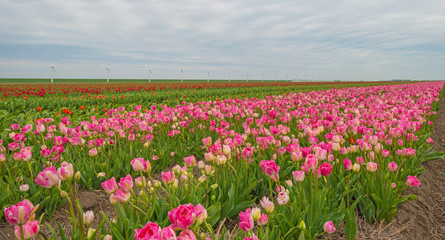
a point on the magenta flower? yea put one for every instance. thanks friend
(47, 178)
(168, 177)
(329, 227)
(347, 164)
(246, 220)
(182, 217)
(325, 169)
(262, 220)
(30, 230)
(201, 213)
(110, 186)
(190, 161)
(151, 231)
(412, 181)
(126, 183)
(270, 168)
(392, 166)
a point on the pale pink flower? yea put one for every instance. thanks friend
(371, 166)
(126, 183)
(283, 198)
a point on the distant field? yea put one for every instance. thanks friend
(66, 80)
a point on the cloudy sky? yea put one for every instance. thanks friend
(327, 40)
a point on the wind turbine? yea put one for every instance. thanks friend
(247, 76)
(262, 77)
(149, 75)
(208, 76)
(229, 76)
(182, 75)
(108, 74)
(52, 69)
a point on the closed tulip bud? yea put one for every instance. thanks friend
(201, 165)
(24, 187)
(108, 237)
(329, 227)
(256, 212)
(88, 217)
(356, 167)
(262, 220)
(302, 225)
(77, 176)
(213, 197)
(214, 186)
(152, 190)
(91, 232)
(63, 194)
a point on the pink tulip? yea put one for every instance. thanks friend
(121, 196)
(46, 152)
(298, 176)
(430, 140)
(47, 178)
(371, 166)
(19, 213)
(30, 230)
(168, 233)
(329, 227)
(325, 169)
(270, 168)
(201, 213)
(168, 177)
(151, 231)
(392, 166)
(92, 152)
(262, 220)
(296, 156)
(126, 183)
(385, 153)
(110, 186)
(311, 162)
(267, 205)
(246, 220)
(182, 217)
(186, 235)
(139, 165)
(347, 164)
(283, 198)
(190, 161)
(66, 171)
(412, 181)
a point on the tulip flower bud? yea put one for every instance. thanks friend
(213, 197)
(108, 237)
(63, 194)
(152, 190)
(90, 233)
(302, 225)
(88, 217)
(77, 176)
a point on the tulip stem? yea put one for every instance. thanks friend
(30, 171)
(22, 234)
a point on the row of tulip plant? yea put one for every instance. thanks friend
(285, 166)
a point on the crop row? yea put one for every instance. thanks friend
(291, 165)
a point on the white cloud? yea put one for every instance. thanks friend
(327, 39)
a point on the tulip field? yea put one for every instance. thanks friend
(280, 160)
